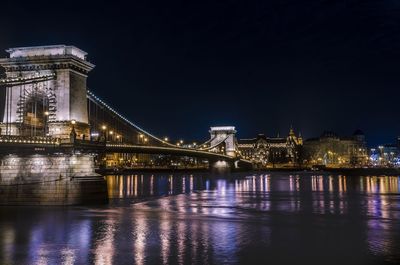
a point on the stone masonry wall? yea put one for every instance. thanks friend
(50, 180)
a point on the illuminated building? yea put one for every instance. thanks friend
(271, 151)
(334, 151)
(385, 155)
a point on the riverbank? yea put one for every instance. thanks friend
(342, 171)
(111, 171)
(366, 171)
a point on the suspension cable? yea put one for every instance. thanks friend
(94, 98)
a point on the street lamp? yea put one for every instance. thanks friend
(104, 128)
(110, 133)
(46, 117)
(73, 122)
(73, 133)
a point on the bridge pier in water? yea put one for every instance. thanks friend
(50, 179)
(223, 140)
(46, 104)
(221, 166)
(229, 166)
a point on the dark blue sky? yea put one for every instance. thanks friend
(178, 68)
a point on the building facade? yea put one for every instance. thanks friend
(333, 151)
(272, 151)
(387, 155)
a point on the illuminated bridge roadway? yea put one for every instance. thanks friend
(129, 148)
(11, 144)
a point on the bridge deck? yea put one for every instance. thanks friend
(18, 144)
(129, 148)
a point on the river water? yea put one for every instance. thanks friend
(278, 218)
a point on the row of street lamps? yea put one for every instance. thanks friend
(109, 135)
(142, 139)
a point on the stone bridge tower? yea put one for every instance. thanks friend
(54, 105)
(224, 136)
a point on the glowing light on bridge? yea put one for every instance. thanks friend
(94, 97)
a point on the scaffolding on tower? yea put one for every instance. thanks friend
(33, 88)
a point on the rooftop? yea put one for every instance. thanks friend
(50, 50)
(222, 128)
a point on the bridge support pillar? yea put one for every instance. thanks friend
(221, 166)
(47, 107)
(44, 179)
(225, 135)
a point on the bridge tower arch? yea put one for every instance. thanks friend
(225, 137)
(49, 106)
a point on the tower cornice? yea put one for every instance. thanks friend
(52, 62)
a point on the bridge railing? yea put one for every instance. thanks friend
(28, 139)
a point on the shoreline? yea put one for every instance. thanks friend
(149, 170)
(344, 171)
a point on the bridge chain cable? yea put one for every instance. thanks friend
(215, 145)
(199, 146)
(96, 99)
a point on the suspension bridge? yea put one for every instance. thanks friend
(48, 109)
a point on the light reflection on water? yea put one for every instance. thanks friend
(204, 219)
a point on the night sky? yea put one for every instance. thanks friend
(178, 68)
